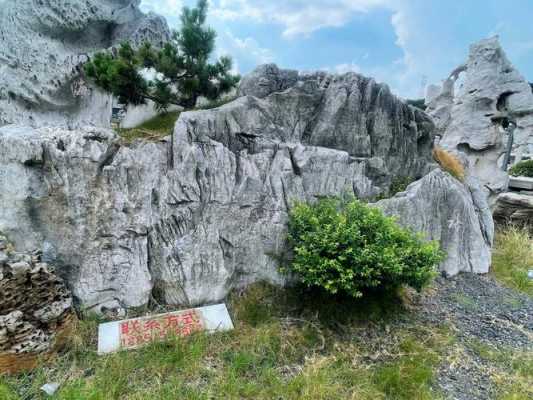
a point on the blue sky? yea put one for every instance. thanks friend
(403, 43)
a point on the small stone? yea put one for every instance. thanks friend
(20, 268)
(530, 274)
(3, 257)
(50, 388)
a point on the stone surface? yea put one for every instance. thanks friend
(43, 44)
(464, 108)
(134, 333)
(186, 219)
(521, 182)
(515, 208)
(267, 79)
(190, 217)
(455, 214)
(35, 307)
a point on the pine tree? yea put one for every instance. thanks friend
(183, 68)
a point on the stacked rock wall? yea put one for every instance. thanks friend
(35, 309)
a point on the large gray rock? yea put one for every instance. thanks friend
(267, 79)
(455, 214)
(465, 107)
(43, 44)
(186, 219)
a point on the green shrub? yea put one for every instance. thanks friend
(348, 246)
(523, 168)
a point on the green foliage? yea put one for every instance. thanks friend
(399, 184)
(523, 168)
(512, 258)
(349, 247)
(183, 68)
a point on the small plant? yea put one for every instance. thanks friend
(523, 168)
(348, 247)
(450, 163)
(399, 184)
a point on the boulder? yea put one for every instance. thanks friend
(36, 310)
(43, 45)
(467, 107)
(186, 219)
(453, 213)
(516, 208)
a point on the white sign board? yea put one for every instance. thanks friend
(134, 333)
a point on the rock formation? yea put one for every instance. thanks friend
(514, 207)
(467, 111)
(43, 44)
(186, 219)
(455, 214)
(35, 309)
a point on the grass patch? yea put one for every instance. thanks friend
(153, 129)
(513, 258)
(288, 344)
(163, 124)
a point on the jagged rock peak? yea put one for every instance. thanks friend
(43, 44)
(468, 107)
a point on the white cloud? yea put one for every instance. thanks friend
(242, 49)
(298, 17)
(168, 8)
(343, 68)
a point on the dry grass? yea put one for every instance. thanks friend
(287, 344)
(513, 258)
(449, 163)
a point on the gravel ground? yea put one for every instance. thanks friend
(479, 310)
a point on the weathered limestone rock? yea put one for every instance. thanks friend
(190, 217)
(35, 309)
(267, 79)
(455, 214)
(466, 107)
(43, 44)
(515, 208)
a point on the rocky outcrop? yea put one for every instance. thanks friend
(468, 111)
(35, 309)
(455, 214)
(42, 47)
(516, 208)
(186, 219)
(267, 79)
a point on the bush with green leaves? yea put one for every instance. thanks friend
(349, 247)
(523, 168)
